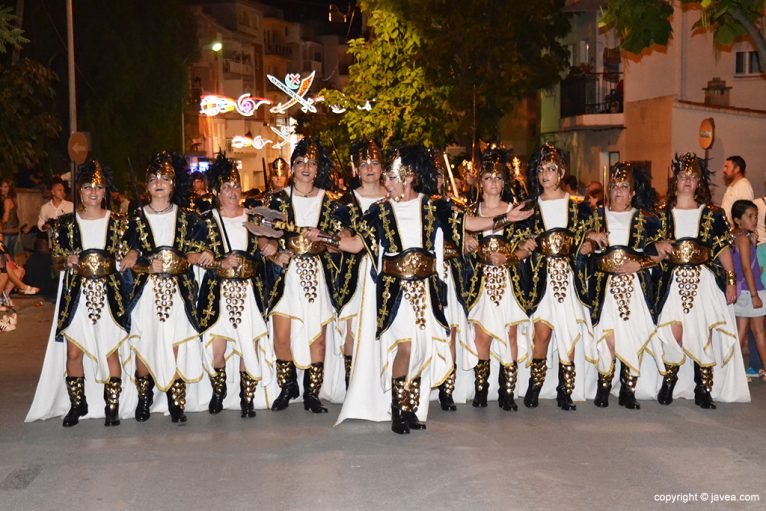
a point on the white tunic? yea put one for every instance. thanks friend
(430, 357)
(247, 347)
(97, 340)
(631, 335)
(153, 341)
(709, 328)
(307, 318)
(495, 319)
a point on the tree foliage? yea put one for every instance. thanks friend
(427, 63)
(134, 58)
(643, 24)
(10, 35)
(26, 93)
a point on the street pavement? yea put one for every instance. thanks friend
(473, 459)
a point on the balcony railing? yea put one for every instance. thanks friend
(591, 93)
(282, 50)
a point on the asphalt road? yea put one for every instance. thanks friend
(472, 459)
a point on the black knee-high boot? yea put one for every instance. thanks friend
(112, 391)
(481, 384)
(628, 389)
(75, 386)
(218, 380)
(604, 387)
(536, 379)
(287, 379)
(566, 386)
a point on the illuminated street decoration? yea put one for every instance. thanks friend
(240, 142)
(337, 109)
(296, 88)
(367, 106)
(284, 134)
(246, 105)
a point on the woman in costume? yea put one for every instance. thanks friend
(366, 189)
(698, 285)
(90, 319)
(622, 290)
(404, 237)
(553, 291)
(163, 320)
(301, 297)
(494, 310)
(230, 306)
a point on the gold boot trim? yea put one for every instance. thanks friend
(144, 385)
(316, 377)
(605, 380)
(218, 380)
(75, 386)
(112, 391)
(509, 378)
(285, 372)
(706, 378)
(414, 395)
(671, 374)
(247, 385)
(400, 394)
(537, 370)
(448, 385)
(569, 373)
(178, 394)
(629, 380)
(481, 375)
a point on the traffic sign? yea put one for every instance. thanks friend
(78, 147)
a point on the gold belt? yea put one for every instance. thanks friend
(495, 245)
(450, 251)
(173, 263)
(412, 264)
(299, 246)
(555, 243)
(95, 263)
(615, 257)
(688, 251)
(244, 267)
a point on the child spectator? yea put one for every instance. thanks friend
(749, 308)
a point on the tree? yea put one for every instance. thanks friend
(134, 59)
(389, 72)
(643, 24)
(428, 65)
(26, 94)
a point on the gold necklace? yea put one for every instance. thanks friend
(303, 194)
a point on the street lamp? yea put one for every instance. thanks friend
(216, 46)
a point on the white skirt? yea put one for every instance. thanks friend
(709, 339)
(307, 318)
(247, 342)
(430, 357)
(495, 319)
(631, 336)
(743, 308)
(51, 396)
(153, 341)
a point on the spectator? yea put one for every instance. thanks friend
(120, 202)
(10, 219)
(569, 185)
(55, 207)
(737, 185)
(594, 194)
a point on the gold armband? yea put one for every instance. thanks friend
(500, 221)
(731, 278)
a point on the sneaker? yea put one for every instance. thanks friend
(751, 373)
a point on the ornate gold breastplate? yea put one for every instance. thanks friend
(495, 245)
(173, 262)
(96, 263)
(616, 256)
(688, 251)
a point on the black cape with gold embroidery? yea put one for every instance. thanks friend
(67, 241)
(712, 232)
(379, 233)
(208, 304)
(531, 274)
(189, 237)
(645, 231)
(280, 201)
(347, 215)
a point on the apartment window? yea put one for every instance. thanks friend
(747, 63)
